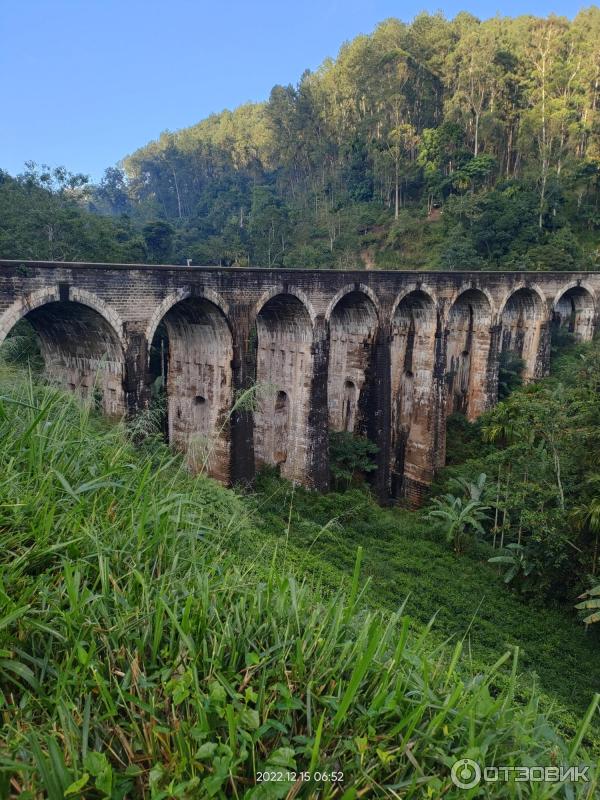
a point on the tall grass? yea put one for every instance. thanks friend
(151, 645)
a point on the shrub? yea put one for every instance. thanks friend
(350, 456)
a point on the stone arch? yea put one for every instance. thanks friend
(284, 369)
(523, 320)
(472, 287)
(353, 326)
(288, 291)
(80, 340)
(413, 344)
(196, 351)
(468, 339)
(531, 288)
(176, 297)
(574, 308)
(110, 315)
(350, 288)
(20, 308)
(417, 289)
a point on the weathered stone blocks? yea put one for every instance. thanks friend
(383, 354)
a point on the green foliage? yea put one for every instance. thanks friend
(408, 561)
(591, 602)
(539, 448)
(439, 143)
(510, 373)
(21, 348)
(143, 652)
(268, 227)
(434, 144)
(45, 219)
(463, 439)
(459, 252)
(460, 518)
(515, 556)
(158, 236)
(478, 490)
(350, 456)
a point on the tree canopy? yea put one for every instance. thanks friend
(452, 144)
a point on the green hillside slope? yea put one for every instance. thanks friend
(448, 144)
(456, 144)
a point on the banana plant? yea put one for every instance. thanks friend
(515, 556)
(591, 602)
(459, 517)
(473, 490)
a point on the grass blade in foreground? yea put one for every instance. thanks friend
(152, 657)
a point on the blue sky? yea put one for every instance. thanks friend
(84, 82)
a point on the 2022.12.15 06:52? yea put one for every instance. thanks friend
(276, 776)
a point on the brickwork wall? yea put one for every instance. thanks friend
(284, 372)
(352, 329)
(413, 413)
(468, 336)
(199, 384)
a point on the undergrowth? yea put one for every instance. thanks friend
(154, 642)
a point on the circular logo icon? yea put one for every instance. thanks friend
(465, 773)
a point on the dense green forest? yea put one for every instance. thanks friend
(451, 144)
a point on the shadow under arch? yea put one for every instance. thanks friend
(284, 367)
(176, 297)
(522, 319)
(468, 348)
(353, 326)
(414, 329)
(286, 291)
(81, 346)
(352, 288)
(190, 358)
(574, 310)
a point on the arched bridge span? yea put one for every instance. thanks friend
(388, 355)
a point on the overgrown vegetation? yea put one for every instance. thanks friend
(145, 652)
(351, 458)
(539, 449)
(520, 492)
(461, 144)
(406, 557)
(42, 217)
(460, 517)
(21, 348)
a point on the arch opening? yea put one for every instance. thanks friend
(353, 328)
(283, 375)
(414, 329)
(191, 378)
(574, 314)
(80, 351)
(468, 347)
(522, 319)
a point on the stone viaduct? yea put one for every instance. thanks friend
(385, 354)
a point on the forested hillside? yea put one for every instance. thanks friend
(438, 144)
(41, 217)
(450, 144)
